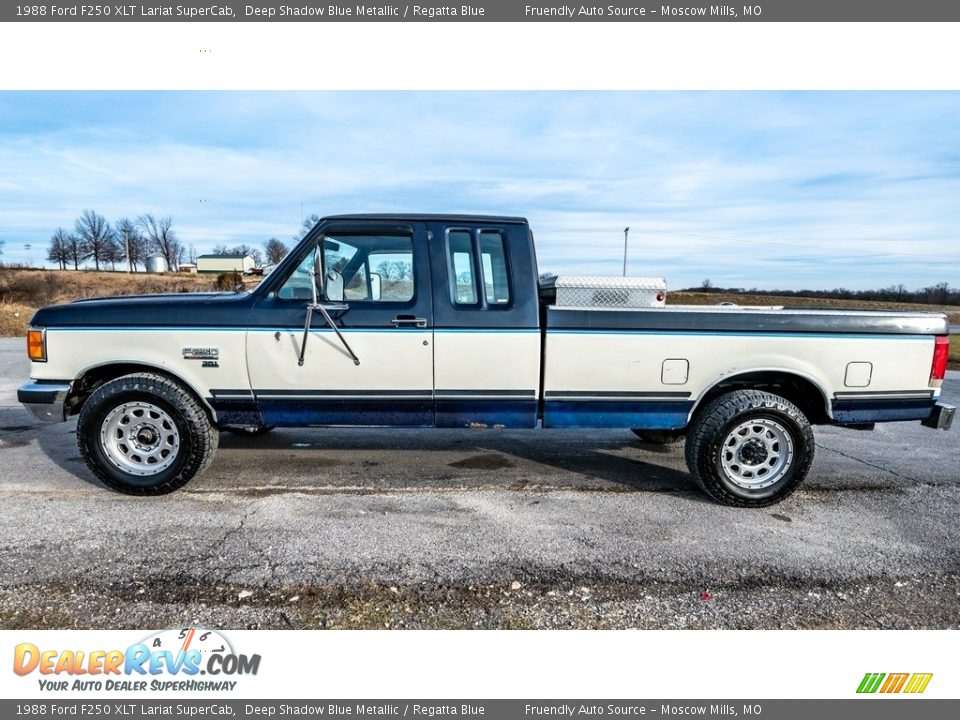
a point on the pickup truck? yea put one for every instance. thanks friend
(442, 321)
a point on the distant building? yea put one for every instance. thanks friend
(224, 263)
(187, 267)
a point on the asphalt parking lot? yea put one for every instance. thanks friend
(444, 529)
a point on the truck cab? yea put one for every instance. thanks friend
(434, 324)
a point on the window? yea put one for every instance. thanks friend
(493, 261)
(461, 267)
(298, 285)
(373, 268)
(492, 266)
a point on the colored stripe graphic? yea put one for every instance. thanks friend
(918, 683)
(894, 683)
(870, 682)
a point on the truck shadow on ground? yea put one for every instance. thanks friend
(375, 460)
(565, 460)
(369, 459)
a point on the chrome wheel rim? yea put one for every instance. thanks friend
(139, 438)
(757, 453)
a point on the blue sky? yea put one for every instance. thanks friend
(748, 189)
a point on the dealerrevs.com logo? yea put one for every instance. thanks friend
(180, 659)
(910, 683)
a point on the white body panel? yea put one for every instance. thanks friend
(389, 359)
(72, 352)
(488, 360)
(608, 362)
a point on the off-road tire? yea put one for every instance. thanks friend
(198, 437)
(715, 423)
(659, 437)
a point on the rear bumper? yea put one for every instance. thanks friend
(941, 417)
(46, 400)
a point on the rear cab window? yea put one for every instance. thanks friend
(478, 268)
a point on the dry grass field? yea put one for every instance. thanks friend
(23, 291)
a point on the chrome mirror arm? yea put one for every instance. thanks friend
(323, 309)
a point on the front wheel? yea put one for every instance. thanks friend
(144, 434)
(749, 448)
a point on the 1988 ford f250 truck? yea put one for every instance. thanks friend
(440, 321)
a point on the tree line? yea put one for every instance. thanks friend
(94, 239)
(938, 294)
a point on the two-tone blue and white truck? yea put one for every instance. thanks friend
(442, 321)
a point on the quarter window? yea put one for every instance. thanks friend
(478, 260)
(462, 267)
(493, 261)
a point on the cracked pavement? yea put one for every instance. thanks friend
(438, 529)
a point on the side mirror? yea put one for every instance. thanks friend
(330, 286)
(376, 286)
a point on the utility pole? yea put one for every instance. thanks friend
(626, 232)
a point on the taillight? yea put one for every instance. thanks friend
(37, 345)
(938, 369)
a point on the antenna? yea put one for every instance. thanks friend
(626, 232)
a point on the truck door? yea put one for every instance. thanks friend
(486, 335)
(385, 318)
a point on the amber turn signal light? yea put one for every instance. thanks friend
(37, 345)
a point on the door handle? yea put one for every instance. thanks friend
(402, 320)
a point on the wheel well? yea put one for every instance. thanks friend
(94, 377)
(802, 392)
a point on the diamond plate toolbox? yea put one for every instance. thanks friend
(612, 292)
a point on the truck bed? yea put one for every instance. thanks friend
(658, 364)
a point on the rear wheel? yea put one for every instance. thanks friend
(749, 448)
(144, 434)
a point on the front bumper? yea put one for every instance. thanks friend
(941, 417)
(46, 400)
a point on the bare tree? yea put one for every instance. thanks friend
(131, 242)
(396, 270)
(75, 251)
(161, 238)
(114, 252)
(221, 249)
(138, 251)
(937, 294)
(306, 226)
(95, 235)
(59, 251)
(276, 251)
(244, 250)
